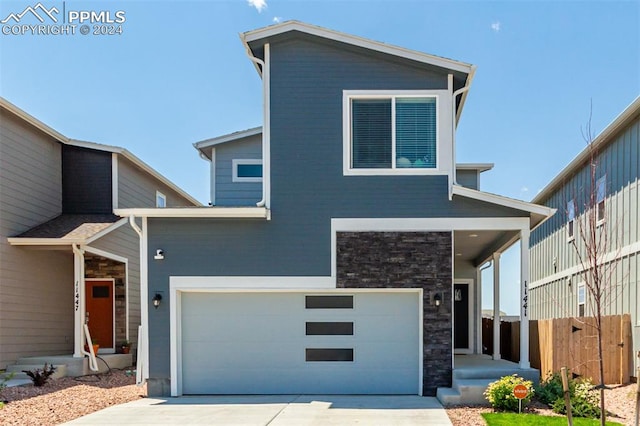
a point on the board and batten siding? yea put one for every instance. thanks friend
(227, 192)
(125, 242)
(554, 291)
(36, 287)
(137, 188)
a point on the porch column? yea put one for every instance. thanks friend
(496, 306)
(78, 300)
(524, 298)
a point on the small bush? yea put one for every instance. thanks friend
(585, 400)
(3, 384)
(500, 393)
(40, 376)
(550, 389)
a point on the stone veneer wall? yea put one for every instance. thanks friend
(101, 267)
(407, 260)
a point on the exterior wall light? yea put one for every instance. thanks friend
(156, 300)
(437, 299)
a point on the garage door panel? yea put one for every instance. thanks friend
(255, 343)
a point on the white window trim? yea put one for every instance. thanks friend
(581, 285)
(571, 236)
(600, 220)
(161, 196)
(348, 95)
(234, 167)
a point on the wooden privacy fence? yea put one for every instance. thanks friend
(572, 343)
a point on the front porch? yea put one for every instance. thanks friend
(67, 365)
(473, 373)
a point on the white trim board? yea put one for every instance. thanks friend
(210, 212)
(625, 251)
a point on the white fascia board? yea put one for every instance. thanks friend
(467, 84)
(228, 138)
(480, 167)
(426, 58)
(622, 120)
(19, 241)
(209, 212)
(503, 201)
(107, 230)
(32, 120)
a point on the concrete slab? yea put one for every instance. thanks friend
(276, 410)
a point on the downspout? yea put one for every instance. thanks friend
(454, 125)
(142, 364)
(266, 158)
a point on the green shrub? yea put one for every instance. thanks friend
(550, 389)
(585, 400)
(500, 393)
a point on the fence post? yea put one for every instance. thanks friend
(567, 397)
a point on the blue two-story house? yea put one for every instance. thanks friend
(341, 251)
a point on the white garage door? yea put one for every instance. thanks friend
(297, 343)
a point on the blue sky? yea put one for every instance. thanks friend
(178, 74)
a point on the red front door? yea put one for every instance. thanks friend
(99, 304)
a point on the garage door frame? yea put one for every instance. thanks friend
(315, 285)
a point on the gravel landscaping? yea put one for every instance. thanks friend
(620, 401)
(65, 399)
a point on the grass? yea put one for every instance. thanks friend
(510, 419)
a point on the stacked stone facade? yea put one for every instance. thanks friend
(407, 260)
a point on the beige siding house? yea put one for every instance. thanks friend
(65, 258)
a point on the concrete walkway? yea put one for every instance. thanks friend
(277, 410)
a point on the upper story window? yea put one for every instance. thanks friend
(571, 216)
(247, 170)
(582, 299)
(161, 199)
(601, 192)
(394, 133)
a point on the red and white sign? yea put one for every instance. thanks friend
(520, 391)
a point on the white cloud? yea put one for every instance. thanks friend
(277, 19)
(258, 4)
(495, 26)
(524, 189)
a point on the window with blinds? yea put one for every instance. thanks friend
(393, 132)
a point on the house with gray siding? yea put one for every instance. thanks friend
(557, 280)
(349, 262)
(65, 258)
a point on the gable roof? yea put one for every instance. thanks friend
(8, 106)
(251, 39)
(607, 136)
(219, 140)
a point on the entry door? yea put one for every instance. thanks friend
(462, 317)
(99, 305)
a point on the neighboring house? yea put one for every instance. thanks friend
(336, 265)
(65, 257)
(557, 289)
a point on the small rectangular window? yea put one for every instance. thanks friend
(329, 328)
(329, 354)
(582, 297)
(100, 292)
(161, 199)
(329, 302)
(601, 192)
(571, 215)
(247, 170)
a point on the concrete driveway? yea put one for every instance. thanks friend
(278, 410)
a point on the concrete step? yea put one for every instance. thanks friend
(472, 390)
(61, 369)
(448, 396)
(14, 376)
(496, 373)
